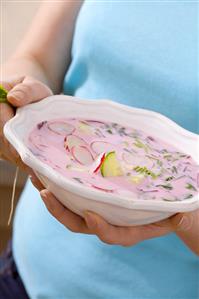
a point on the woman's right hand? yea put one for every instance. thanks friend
(22, 90)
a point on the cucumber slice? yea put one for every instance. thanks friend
(110, 166)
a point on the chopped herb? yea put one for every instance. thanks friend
(174, 160)
(146, 191)
(190, 187)
(180, 177)
(174, 169)
(188, 196)
(99, 133)
(136, 168)
(151, 138)
(164, 151)
(159, 162)
(139, 144)
(41, 124)
(145, 171)
(168, 199)
(68, 166)
(167, 186)
(127, 150)
(3, 94)
(167, 156)
(122, 132)
(109, 131)
(169, 178)
(78, 180)
(152, 157)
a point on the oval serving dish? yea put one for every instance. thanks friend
(117, 210)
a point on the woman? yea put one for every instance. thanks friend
(138, 53)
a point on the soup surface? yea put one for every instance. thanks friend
(112, 158)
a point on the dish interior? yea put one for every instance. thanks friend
(59, 107)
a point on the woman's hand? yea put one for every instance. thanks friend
(22, 90)
(185, 225)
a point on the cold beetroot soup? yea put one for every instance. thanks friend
(112, 158)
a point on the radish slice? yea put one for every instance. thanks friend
(102, 146)
(73, 140)
(97, 163)
(38, 141)
(135, 160)
(95, 122)
(61, 128)
(82, 155)
(103, 189)
(95, 166)
(100, 184)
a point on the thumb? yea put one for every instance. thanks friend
(28, 91)
(8, 84)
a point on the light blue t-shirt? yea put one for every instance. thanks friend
(143, 54)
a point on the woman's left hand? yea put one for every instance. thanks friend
(111, 234)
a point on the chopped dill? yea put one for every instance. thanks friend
(190, 187)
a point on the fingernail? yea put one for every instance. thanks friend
(17, 95)
(90, 220)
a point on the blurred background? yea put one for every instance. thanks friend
(16, 16)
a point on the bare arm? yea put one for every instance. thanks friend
(39, 63)
(45, 51)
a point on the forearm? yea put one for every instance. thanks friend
(189, 231)
(26, 65)
(45, 51)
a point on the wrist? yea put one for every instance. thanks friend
(26, 65)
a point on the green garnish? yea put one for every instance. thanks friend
(167, 156)
(174, 169)
(159, 163)
(139, 144)
(78, 180)
(167, 186)
(164, 151)
(169, 178)
(190, 187)
(167, 199)
(109, 131)
(188, 196)
(3, 94)
(145, 170)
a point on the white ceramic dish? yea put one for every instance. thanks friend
(115, 209)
